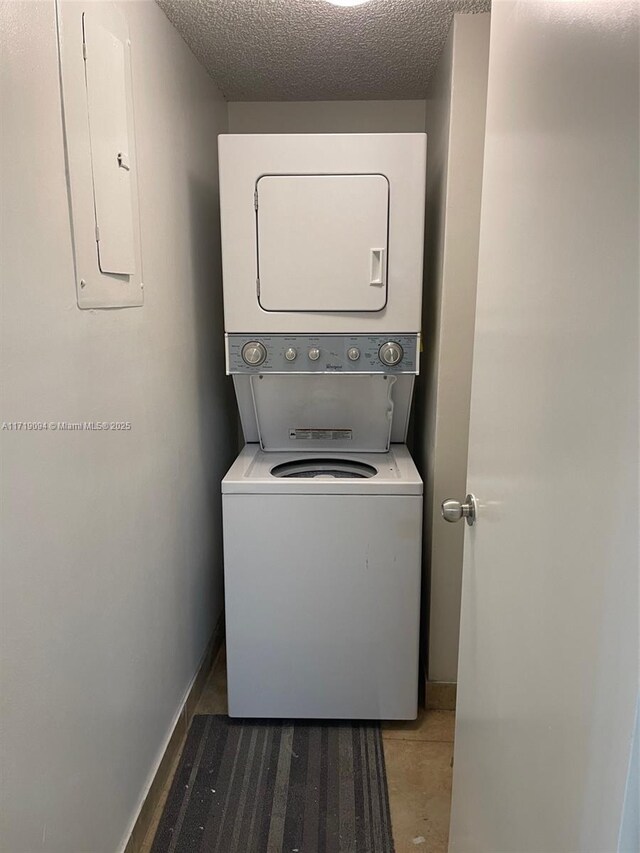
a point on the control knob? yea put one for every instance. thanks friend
(254, 353)
(314, 353)
(390, 353)
(290, 354)
(353, 353)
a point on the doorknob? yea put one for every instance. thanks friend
(454, 510)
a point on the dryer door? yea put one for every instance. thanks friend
(322, 242)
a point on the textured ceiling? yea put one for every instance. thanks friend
(301, 50)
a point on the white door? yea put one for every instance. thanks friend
(322, 242)
(548, 669)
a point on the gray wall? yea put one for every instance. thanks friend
(326, 117)
(455, 117)
(111, 562)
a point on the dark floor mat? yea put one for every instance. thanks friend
(266, 786)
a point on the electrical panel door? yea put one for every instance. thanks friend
(110, 147)
(99, 130)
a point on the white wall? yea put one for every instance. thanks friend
(326, 117)
(455, 115)
(111, 575)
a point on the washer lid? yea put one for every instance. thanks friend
(323, 412)
(312, 412)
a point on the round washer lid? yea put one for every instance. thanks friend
(324, 468)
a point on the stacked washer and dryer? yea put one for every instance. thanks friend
(322, 245)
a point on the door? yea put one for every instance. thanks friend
(322, 242)
(548, 668)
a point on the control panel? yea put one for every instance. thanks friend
(289, 353)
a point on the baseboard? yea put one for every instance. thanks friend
(440, 695)
(174, 743)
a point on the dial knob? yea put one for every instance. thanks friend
(314, 353)
(391, 353)
(353, 353)
(254, 353)
(290, 354)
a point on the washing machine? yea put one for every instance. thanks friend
(322, 242)
(322, 584)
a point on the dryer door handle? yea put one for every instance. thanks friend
(377, 267)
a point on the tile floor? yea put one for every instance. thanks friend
(418, 756)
